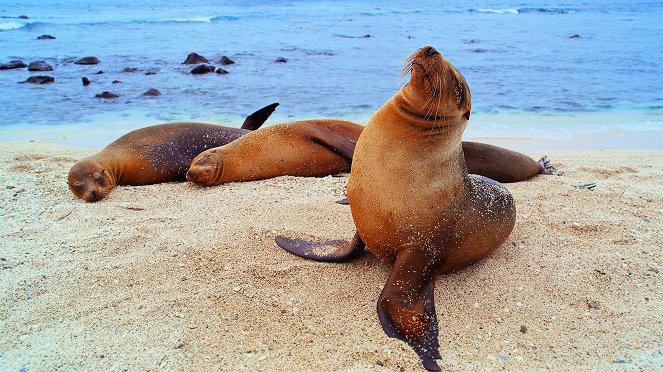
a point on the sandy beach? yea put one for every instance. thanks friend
(179, 277)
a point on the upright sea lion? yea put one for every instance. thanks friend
(413, 203)
(155, 154)
(314, 148)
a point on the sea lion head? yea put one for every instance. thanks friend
(206, 168)
(90, 181)
(436, 90)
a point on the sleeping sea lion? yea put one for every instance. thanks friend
(154, 154)
(413, 202)
(316, 148)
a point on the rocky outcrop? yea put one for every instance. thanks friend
(281, 60)
(39, 66)
(152, 93)
(46, 37)
(40, 79)
(225, 61)
(203, 69)
(12, 65)
(195, 59)
(88, 61)
(106, 95)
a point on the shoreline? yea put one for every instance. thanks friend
(182, 277)
(626, 130)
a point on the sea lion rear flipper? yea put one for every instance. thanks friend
(406, 307)
(344, 251)
(547, 168)
(255, 120)
(339, 144)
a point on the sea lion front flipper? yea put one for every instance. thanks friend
(343, 251)
(255, 120)
(343, 201)
(406, 307)
(339, 144)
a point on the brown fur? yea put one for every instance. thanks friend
(413, 202)
(288, 149)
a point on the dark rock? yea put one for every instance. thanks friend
(366, 36)
(226, 61)
(152, 93)
(86, 81)
(221, 71)
(13, 64)
(203, 69)
(107, 95)
(380, 363)
(46, 37)
(99, 72)
(39, 66)
(23, 17)
(479, 50)
(130, 69)
(151, 72)
(88, 61)
(281, 60)
(574, 36)
(523, 329)
(40, 79)
(117, 82)
(195, 59)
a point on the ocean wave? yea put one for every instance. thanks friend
(14, 25)
(494, 11)
(523, 10)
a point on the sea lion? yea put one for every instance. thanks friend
(413, 202)
(316, 148)
(309, 148)
(154, 154)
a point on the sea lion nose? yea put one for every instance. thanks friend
(431, 52)
(94, 193)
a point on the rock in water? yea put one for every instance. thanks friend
(226, 61)
(130, 69)
(39, 66)
(194, 59)
(46, 37)
(86, 81)
(13, 64)
(203, 69)
(221, 71)
(106, 95)
(152, 93)
(281, 60)
(88, 61)
(40, 79)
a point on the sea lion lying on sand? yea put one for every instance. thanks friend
(155, 154)
(316, 148)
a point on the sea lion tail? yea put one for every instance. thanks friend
(258, 118)
(343, 251)
(546, 168)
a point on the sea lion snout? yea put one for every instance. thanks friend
(432, 51)
(204, 169)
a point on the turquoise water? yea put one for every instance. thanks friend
(519, 58)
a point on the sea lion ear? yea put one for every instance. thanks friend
(466, 115)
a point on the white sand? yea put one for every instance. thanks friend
(179, 277)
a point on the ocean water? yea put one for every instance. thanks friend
(528, 76)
